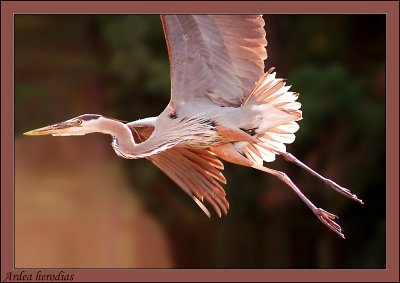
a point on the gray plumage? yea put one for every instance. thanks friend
(223, 105)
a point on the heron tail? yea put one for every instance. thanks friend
(273, 91)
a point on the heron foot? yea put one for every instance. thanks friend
(343, 191)
(328, 219)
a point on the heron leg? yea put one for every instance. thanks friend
(228, 153)
(289, 157)
(325, 217)
(234, 134)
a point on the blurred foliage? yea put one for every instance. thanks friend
(117, 65)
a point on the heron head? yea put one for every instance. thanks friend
(78, 126)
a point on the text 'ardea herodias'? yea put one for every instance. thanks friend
(223, 105)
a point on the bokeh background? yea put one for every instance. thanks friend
(79, 205)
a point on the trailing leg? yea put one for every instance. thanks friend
(325, 217)
(228, 153)
(289, 157)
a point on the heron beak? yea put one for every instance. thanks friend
(56, 129)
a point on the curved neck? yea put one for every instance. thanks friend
(124, 143)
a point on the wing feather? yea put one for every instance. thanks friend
(214, 57)
(196, 171)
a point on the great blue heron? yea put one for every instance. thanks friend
(223, 105)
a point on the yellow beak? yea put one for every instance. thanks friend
(56, 129)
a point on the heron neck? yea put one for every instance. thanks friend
(124, 143)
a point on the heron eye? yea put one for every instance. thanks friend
(78, 122)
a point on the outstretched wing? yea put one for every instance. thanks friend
(196, 171)
(214, 57)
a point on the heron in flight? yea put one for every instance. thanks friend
(223, 106)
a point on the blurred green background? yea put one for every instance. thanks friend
(75, 197)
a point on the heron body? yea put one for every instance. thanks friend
(223, 105)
